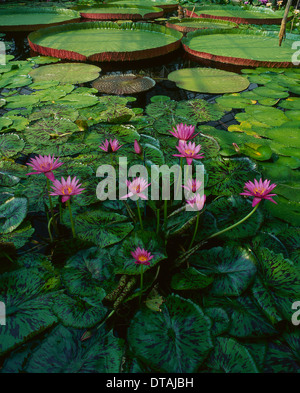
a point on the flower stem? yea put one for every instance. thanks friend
(139, 213)
(141, 290)
(71, 218)
(157, 220)
(195, 231)
(51, 205)
(165, 214)
(234, 225)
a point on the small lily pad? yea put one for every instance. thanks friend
(208, 80)
(66, 73)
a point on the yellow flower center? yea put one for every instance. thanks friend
(259, 191)
(67, 190)
(189, 152)
(142, 258)
(138, 189)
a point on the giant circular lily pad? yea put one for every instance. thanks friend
(241, 47)
(186, 25)
(208, 80)
(119, 11)
(247, 15)
(29, 19)
(165, 4)
(123, 84)
(105, 41)
(66, 73)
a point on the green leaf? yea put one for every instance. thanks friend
(208, 80)
(20, 236)
(228, 176)
(10, 145)
(63, 352)
(102, 228)
(232, 269)
(87, 272)
(28, 306)
(247, 320)
(229, 211)
(12, 213)
(220, 320)
(231, 357)
(21, 101)
(66, 73)
(199, 110)
(190, 278)
(77, 313)
(280, 359)
(176, 340)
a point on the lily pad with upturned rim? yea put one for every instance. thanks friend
(235, 13)
(186, 25)
(208, 80)
(164, 4)
(123, 84)
(105, 41)
(241, 47)
(119, 12)
(29, 19)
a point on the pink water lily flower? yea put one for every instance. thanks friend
(110, 146)
(189, 150)
(66, 188)
(197, 203)
(183, 132)
(45, 165)
(136, 187)
(260, 190)
(141, 256)
(193, 185)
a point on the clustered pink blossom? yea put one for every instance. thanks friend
(47, 164)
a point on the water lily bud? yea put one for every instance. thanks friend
(137, 147)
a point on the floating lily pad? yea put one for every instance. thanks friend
(66, 73)
(231, 357)
(30, 18)
(186, 25)
(291, 103)
(235, 13)
(123, 84)
(105, 41)
(232, 269)
(10, 145)
(119, 12)
(241, 47)
(62, 351)
(208, 80)
(175, 340)
(165, 4)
